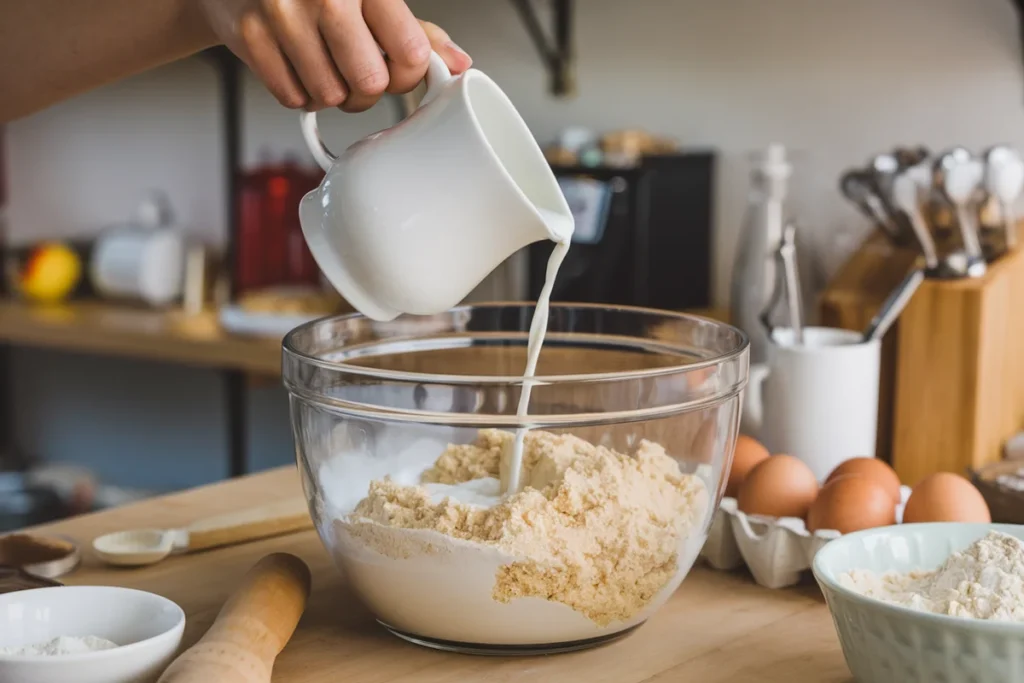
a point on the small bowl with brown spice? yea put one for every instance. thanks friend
(47, 557)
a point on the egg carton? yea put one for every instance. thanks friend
(777, 550)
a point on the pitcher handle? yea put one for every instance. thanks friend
(753, 401)
(437, 75)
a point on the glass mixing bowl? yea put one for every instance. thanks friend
(404, 435)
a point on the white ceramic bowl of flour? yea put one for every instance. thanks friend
(888, 642)
(147, 629)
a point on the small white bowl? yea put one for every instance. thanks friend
(887, 643)
(147, 628)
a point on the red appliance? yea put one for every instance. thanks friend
(270, 249)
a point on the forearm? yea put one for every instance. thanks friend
(53, 49)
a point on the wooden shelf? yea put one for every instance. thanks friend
(127, 332)
(123, 331)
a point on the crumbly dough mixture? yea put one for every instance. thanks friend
(594, 529)
(983, 581)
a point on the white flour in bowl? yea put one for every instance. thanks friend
(593, 543)
(983, 581)
(62, 645)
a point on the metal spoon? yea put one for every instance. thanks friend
(1004, 180)
(787, 252)
(858, 187)
(959, 175)
(906, 194)
(910, 156)
(894, 305)
(884, 166)
(883, 170)
(787, 283)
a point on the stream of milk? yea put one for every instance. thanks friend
(512, 467)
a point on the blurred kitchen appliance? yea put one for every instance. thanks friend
(142, 260)
(271, 250)
(651, 244)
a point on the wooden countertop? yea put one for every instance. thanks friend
(718, 628)
(169, 336)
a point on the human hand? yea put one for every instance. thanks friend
(314, 54)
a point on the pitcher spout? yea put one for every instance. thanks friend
(558, 225)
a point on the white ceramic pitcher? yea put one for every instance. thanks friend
(411, 219)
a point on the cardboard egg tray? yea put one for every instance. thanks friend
(777, 551)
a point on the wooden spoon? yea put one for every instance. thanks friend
(146, 546)
(251, 629)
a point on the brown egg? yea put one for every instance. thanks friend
(780, 486)
(946, 497)
(873, 469)
(850, 503)
(749, 452)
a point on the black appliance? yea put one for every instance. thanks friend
(655, 247)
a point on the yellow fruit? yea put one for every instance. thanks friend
(51, 273)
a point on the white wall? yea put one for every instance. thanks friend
(832, 79)
(836, 81)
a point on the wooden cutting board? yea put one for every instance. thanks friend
(718, 628)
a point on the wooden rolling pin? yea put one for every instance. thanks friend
(251, 629)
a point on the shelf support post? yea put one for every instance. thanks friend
(557, 53)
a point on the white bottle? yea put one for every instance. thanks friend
(754, 270)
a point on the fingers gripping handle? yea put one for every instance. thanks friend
(437, 75)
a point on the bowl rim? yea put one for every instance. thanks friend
(742, 344)
(121, 650)
(822, 574)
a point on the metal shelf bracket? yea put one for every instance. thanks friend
(556, 52)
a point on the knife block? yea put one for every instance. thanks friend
(852, 299)
(952, 372)
(959, 385)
